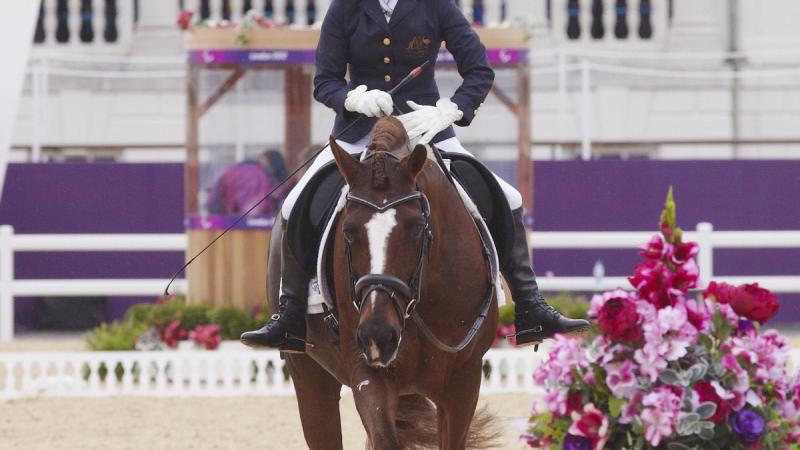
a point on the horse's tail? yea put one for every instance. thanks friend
(417, 426)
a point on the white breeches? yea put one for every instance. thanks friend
(451, 145)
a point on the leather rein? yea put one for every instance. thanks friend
(398, 290)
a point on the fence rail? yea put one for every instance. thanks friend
(199, 373)
(223, 372)
(707, 239)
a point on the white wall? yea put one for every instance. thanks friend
(16, 30)
(624, 107)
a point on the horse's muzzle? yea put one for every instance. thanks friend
(378, 344)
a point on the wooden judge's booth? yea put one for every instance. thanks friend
(233, 271)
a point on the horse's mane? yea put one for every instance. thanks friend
(387, 136)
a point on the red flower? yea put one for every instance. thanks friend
(590, 423)
(747, 300)
(656, 248)
(683, 252)
(619, 320)
(185, 20)
(206, 336)
(574, 402)
(706, 393)
(173, 333)
(652, 279)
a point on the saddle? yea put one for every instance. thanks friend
(316, 205)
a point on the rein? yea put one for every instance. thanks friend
(397, 289)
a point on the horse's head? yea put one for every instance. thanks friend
(385, 230)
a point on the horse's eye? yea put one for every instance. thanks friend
(349, 230)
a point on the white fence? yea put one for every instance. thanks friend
(705, 236)
(199, 373)
(210, 373)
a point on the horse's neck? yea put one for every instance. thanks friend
(450, 219)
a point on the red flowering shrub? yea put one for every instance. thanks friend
(206, 336)
(173, 333)
(185, 20)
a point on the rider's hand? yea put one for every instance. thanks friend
(374, 103)
(427, 121)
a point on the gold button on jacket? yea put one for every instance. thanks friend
(387, 41)
(386, 60)
(387, 78)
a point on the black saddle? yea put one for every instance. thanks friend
(314, 207)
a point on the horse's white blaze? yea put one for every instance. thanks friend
(379, 228)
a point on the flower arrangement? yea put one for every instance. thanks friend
(665, 371)
(167, 322)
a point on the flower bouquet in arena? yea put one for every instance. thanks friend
(666, 371)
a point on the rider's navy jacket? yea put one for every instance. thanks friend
(355, 35)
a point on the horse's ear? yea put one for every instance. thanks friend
(347, 164)
(416, 160)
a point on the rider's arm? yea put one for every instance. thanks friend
(470, 57)
(330, 87)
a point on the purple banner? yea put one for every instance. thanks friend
(497, 56)
(218, 222)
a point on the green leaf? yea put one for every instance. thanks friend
(615, 406)
(677, 446)
(706, 409)
(706, 434)
(697, 372)
(670, 376)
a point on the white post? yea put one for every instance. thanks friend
(43, 104)
(705, 258)
(586, 111)
(562, 96)
(6, 280)
(36, 145)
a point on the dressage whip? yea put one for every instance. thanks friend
(411, 75)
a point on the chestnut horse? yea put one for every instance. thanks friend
(411, 280)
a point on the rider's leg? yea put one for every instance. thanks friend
(535, 320)
(286, 330)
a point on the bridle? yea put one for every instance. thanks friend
(397, 289)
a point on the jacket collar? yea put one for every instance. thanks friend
(401, 11)
(373, 9)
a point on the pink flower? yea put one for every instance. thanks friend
(699, 314)
(631, 409)
(565, 355)
(206, 336)
(661, 411)
(622, 380)
(650, 361)
(556, 401)
(591, 424)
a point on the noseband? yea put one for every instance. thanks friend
(397, 289)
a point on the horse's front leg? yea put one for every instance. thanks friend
(318, 401)
(376, 399)
(456, 406)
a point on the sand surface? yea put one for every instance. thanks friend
(191, 423)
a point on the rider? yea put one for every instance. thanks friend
(380, 41)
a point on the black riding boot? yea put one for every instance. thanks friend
(286, 330)
(535, 320)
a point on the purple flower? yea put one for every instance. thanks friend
(745, 326)
(572, 442)
(748, 426)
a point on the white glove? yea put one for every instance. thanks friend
(427, 121)
(374, 103)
